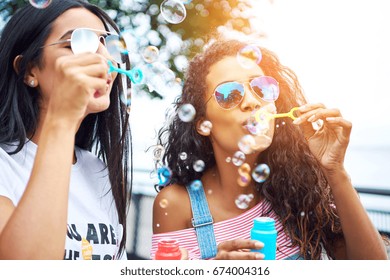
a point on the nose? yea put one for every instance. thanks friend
(250, 101)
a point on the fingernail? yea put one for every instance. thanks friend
(259, 256)
(330, 119)
(259, 244)
(311, 119)
(297, 121)
(303, 108)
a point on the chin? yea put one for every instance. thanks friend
(97, 107)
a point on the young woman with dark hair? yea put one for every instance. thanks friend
(64, 137)
(308, 192)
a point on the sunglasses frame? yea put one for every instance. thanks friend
(94, 31)
(242, 96)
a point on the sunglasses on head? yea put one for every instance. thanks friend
(229, 94)
(87, 40)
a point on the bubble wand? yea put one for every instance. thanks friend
(260, 115)
(135, 74)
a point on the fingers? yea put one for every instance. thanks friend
(184, 253)
(314, 113)
(239, 249)
(340, 122)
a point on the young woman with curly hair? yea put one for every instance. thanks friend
(308, 192)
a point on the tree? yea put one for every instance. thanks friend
(143, 25)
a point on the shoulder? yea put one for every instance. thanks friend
(171, 209)
(87, 159)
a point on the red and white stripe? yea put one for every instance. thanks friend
(234, 228)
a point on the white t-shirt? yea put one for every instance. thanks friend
(93, 228)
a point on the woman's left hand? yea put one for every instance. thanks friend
(329, 143)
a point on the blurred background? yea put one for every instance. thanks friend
(338, 49)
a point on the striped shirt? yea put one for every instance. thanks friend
(235, 228)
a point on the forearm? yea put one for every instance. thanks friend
(362, 240)
(37, 227)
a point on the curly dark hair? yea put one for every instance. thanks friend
(296, 188)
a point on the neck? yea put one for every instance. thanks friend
(224, 176)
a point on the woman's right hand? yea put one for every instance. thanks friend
(239, 249)
(78, 80)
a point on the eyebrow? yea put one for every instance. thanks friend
(69, 32)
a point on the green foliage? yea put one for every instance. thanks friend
(143, 25)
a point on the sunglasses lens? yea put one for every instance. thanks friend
(84, 40)
(266, 88)
(229, 95)
(116, 46)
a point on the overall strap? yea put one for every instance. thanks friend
(202, 220)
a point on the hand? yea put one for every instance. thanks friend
(184, 253)
(79, 79)
(239, 249)
(329, 143)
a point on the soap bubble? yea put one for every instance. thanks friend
(158, 153)
(163, 203)
(261, 173)
(244, 169)
(40, 4)
(116, 47)
(246, 144)
(196, 185)
(183, 156)
(187, 112)
(243, 200)
(199, 165)
(164, 175)
(173, 11)
(249, 56)
(238, 158)
(244, 180)
(150, 54)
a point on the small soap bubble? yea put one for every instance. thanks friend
(173, 11)
(206, 127)
(246, 144)
(116, 47)
(164, 203)
(228, 159)
(210, 192)
(157, 225)
(244, 169)
(183, 156)
(199, 165)
(164, 175)
(150, 54)
(243, 200)
(187, 112)
(196, 185)
(261, 173)
(238, 158)
(40, 4)
(244, 180)
(249, 56)
(158, 153)
(302, 214)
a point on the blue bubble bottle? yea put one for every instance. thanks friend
(264, 231)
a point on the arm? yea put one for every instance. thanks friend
(329, 144)
(36, 227)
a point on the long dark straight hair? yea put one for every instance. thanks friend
(107, 133)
